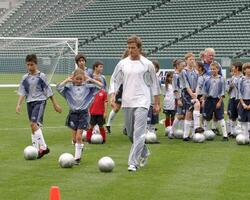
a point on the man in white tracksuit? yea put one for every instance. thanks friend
(137, 74)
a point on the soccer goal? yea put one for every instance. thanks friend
(55, 58)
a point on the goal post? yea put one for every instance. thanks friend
(56, 58)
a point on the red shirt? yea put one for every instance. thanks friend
(97, 107)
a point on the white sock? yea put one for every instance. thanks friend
(181, 124)
(229, 126)
(187, 126)
(40, 139)
(206, 125)
(78, 150)
(244, 126)
(215, 124)
(174, 125)
(234, 123)
(192, 128)
(223, 127)
(112, 115)
(196, 116)
(34, 141)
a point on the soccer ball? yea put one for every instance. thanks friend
(96, 139)
(106, 164)
(84, 134)
(178, 134)
(209, 135)
(30, 153)
(167, 130)
(150, 137)
(198, 138)
(237, 130)
(241, 139)
(66, 160)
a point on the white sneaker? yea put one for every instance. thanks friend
(132, 168)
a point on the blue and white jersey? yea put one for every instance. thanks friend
(35, 87)
(190, 78)
(244, 88)
(176, 82)
(201, 80)
(208, 70)
(229, 88)
(78, 97)
(235, 82)
(214, 87)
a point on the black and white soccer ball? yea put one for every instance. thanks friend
(150, 137)
(198, 138)
(178, 133)
(209, 135)
(66, 160)
(30, 153)
(242, 139)
(96, 138)
(106, 164)
(237, 130)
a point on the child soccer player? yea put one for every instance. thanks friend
(35, 88)
(98, 113)
(178, 65)
(169, 102)
(233, 92)
(79, 94)
(213, 95)
(244, 96)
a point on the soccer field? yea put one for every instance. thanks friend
(176, 170)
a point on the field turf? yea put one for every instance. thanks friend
(176, 170)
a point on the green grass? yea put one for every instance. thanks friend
(176, 170)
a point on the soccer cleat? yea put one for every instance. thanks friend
(186, 139)
(216, 131)
(224, 139)
(108, 129)
(144, 160)
(132, 168)
(42, 152)
(77, 161)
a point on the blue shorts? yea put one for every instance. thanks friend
(210, 110)
(186, 100)
(232, 109)
(244, 115)
(153, 118)
(78, 119)
(35, 111)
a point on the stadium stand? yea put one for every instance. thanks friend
(168, 28)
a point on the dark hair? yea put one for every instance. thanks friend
(96, 64)
(78, 56)
(200, 65)
(238, 65)
(156, 64)
(31, 58)
(176, 62)
(169, 74)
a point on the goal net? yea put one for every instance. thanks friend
(55, 58)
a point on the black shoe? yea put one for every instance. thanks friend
(224, 139)
(216, 131)
(199, 130)
(77, 161)
(42, 152)
(124, 131)
(186, 139)
(108, 129)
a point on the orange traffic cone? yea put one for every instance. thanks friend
(54, 193)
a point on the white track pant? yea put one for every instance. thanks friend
(136, 124)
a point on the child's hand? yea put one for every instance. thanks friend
(57, 108)
(18, 109)
(218, 105)
(69, 79)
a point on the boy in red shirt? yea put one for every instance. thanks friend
(98, 112)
